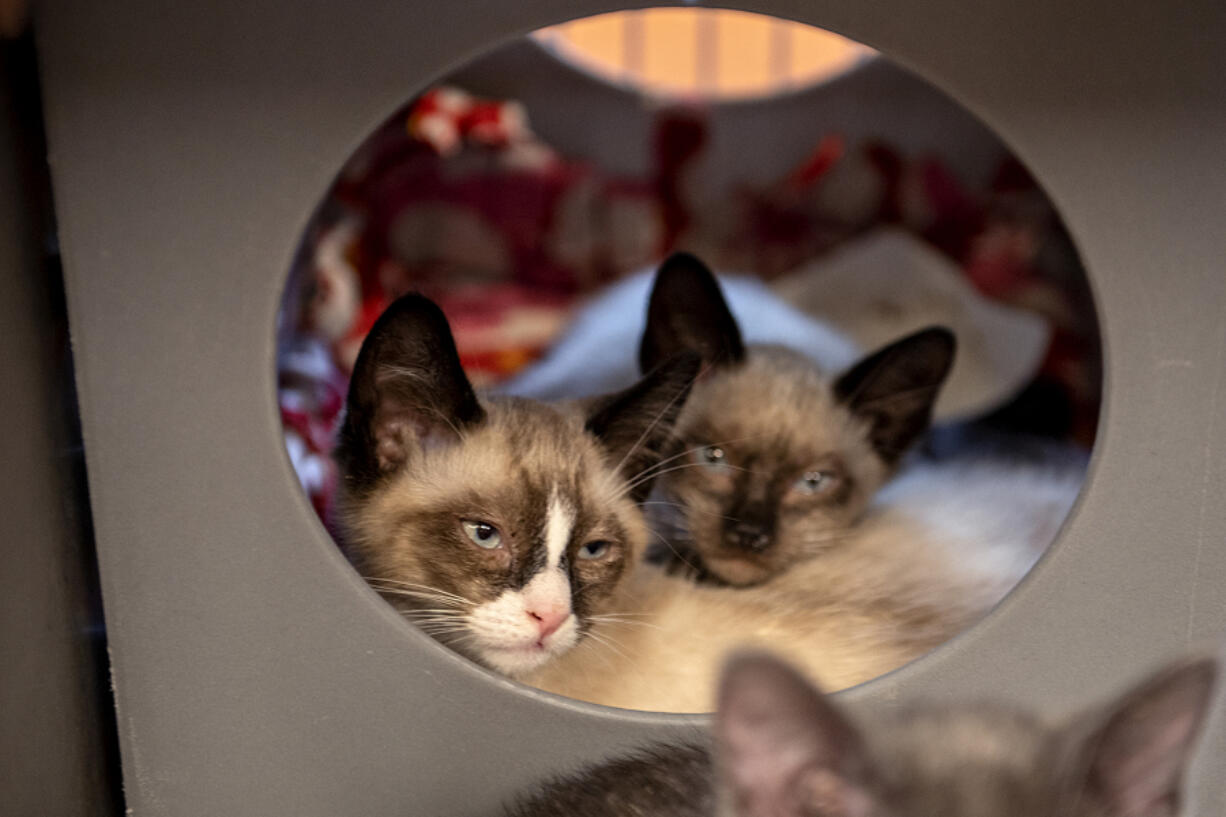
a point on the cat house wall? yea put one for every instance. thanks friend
(256, 674)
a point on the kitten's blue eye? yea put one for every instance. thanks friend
(483, 534)
(713, 456)
(593, 550)
(814, 482)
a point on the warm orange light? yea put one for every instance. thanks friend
(698, 51)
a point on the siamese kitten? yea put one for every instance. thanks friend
(938, 548)
(782, 749)
(501, 526)
(946, 545)
(775, 460)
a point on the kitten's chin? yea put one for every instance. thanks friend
(520, 660)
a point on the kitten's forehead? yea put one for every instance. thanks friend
(550, 451)
(985, 731)
(986, 762)
(776, 399)
(524, 454)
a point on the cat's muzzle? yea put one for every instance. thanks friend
(747, 536)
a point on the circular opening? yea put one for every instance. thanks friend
(852, 500)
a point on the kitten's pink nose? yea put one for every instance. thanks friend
(549, 620)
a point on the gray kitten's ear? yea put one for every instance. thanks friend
(687, 312)
(408, 392)
(1132, 762)
(783, 748)
(895, 388)
(635, 426)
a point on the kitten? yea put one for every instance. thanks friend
(782, 749)
(775, 460)
(942, 544)
(501, 526)
(945, 545)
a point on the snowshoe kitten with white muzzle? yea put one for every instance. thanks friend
(501, 526)
(774, 459)
(782, 749)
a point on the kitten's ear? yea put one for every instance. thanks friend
(1132, 762)
(687, 312)
(408, 392)
(636, 425)
(783, 748)
(895, 388)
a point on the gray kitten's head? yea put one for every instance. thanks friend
(785, 750)
(776, 459)
(499, 526)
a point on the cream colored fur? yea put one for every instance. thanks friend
(939, 550)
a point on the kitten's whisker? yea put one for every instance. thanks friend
(435, 630)
(606, 641)
(616, 645)
(437, 624)
(402, 582)
(683, 507)
(626, 614)
(656, 465)
(680, 467)
(419, 588)
(462, 640)
(680, 395)
(407, 590)
(598, 651)
(657, 469)
(651, 468)
(412, 587)
(628, 622)
(632, 485)
(441, 631)
(418, 594)
(431, 617)
(676, 552)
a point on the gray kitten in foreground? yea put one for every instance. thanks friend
(782, 749)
